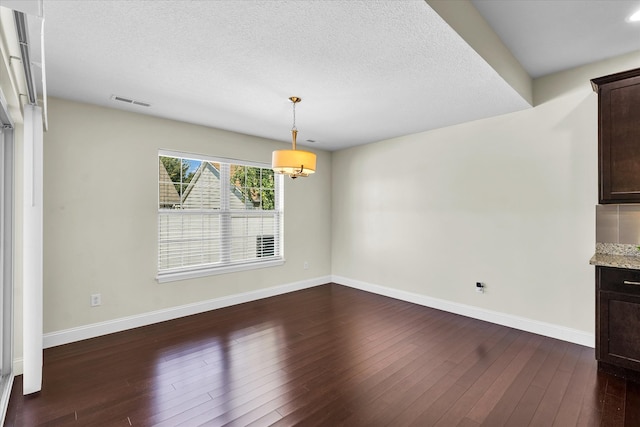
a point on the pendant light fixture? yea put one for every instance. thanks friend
(293, 162)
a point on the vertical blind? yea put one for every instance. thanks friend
(214, 213)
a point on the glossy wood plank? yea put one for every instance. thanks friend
(325, 356)
(528, 359)
(569, 409)
(489, 373)
(556, 388)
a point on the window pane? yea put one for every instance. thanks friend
(172, 168)
(190, 167)
(168, 194)
(238, 176)
(253, 198)
(253, 177)
(246, 182)
(203, 189)
(268, 200)
(267, 178)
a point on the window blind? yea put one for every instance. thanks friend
(216, 213)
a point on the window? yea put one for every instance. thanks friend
(216, 215)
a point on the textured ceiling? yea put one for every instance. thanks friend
(365, 70)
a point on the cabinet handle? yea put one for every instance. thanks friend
(627, 282)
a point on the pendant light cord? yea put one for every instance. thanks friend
(294, 116)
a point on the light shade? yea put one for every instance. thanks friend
(293, 162)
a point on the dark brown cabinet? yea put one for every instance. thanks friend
(618, 137)
(618, 320)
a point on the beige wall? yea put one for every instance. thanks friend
(508, 201)
(100, 215)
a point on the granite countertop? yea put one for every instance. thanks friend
(616, 255)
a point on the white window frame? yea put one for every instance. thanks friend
(225, 265)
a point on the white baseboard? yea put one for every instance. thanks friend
(66, 336)
(93, 330)
(516, 322)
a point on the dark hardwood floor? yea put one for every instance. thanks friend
(329, 356)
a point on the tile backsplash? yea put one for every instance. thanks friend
(618, 224)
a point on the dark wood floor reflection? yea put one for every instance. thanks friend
(327, 356)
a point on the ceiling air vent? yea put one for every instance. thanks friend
(130, 101)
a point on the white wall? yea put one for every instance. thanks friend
(508, 201)
(100, 218)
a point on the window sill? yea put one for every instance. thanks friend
(212, 271)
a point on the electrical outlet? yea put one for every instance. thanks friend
(96, 300)
(480, 287)
(305, 265)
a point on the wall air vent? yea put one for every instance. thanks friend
(130, 101)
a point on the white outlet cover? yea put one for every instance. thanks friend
(96, 300)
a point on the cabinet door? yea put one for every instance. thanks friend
(619, 141)
(619, 329)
